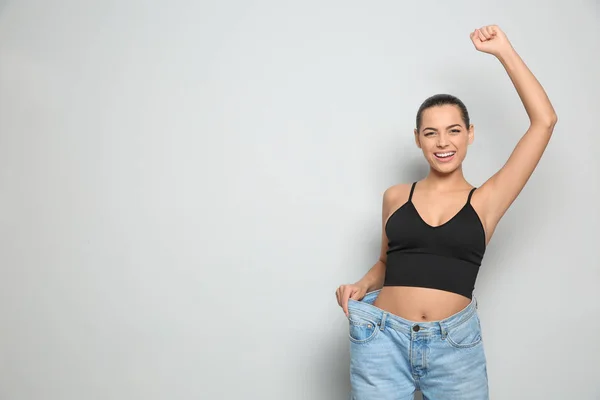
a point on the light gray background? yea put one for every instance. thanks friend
(183, 185)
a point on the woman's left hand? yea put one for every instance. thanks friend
(490, 39)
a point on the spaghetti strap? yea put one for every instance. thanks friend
(412, 189)
(470, 194)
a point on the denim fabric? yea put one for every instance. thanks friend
(391, 357)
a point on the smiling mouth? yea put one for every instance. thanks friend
(445, 156)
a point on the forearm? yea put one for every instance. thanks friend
(374, 278)
(532, 94)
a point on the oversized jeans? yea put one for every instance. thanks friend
(391, 357)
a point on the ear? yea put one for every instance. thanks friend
(471, 134)
(417, 139)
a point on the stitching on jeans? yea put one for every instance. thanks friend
(364, 323)
(463, 346)
(461, 321)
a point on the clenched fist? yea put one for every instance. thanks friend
(490, 39)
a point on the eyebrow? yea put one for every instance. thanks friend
(448, 127)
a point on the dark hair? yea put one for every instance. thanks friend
(440, 100)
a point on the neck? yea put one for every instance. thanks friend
(437, 180)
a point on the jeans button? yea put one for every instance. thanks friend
(416, 328)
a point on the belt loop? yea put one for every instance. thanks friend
(443, 331)
(382, 322)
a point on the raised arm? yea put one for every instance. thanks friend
(500, 190)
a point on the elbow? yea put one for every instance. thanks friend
(551, 119)
(548, 122)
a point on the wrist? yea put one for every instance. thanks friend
(507, 55)
(365, 285)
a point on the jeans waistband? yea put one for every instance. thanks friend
(366, 309)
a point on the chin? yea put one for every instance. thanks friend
(444, 168)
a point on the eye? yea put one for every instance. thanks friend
(428, 133)
(455, 130)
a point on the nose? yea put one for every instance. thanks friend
(442, 140)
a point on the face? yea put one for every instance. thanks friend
(443, 137)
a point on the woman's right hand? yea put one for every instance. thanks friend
(350, 291)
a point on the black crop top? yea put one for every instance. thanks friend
(445, 257)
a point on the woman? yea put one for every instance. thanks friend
(413, 319)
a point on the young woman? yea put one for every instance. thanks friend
(413, 322)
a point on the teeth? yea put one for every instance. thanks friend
(444, 154)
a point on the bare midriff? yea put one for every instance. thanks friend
(420, 304)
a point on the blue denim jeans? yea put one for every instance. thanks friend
(391, 357)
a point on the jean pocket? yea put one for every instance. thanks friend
(466, 334)
(361, 329)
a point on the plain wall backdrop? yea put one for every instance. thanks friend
(183, 186)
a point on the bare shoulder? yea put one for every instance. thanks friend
(394, 196)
